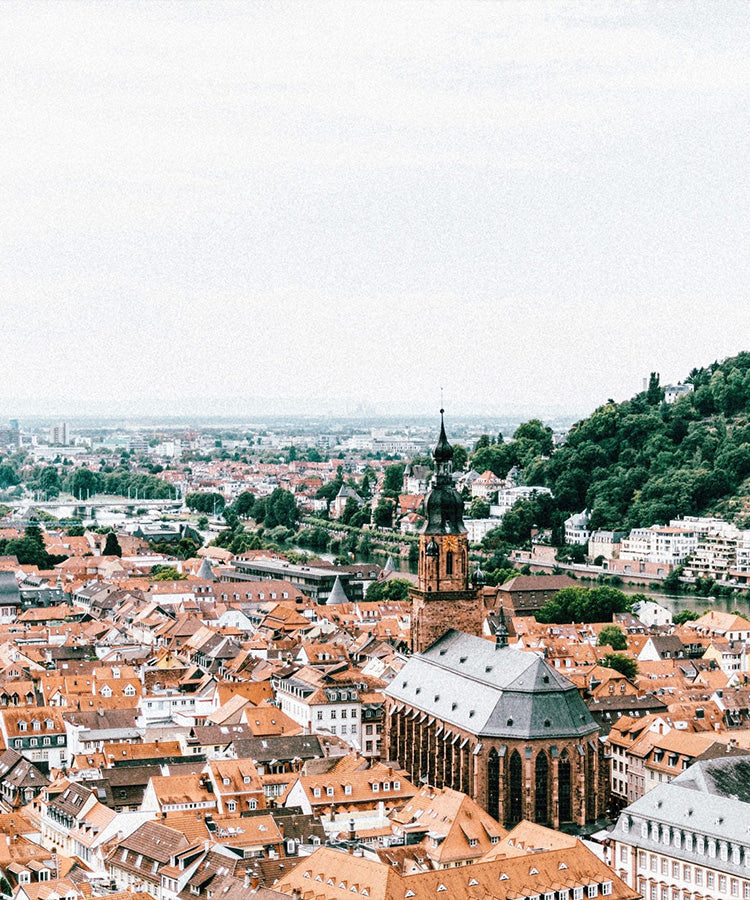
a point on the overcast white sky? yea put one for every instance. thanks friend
(531, 203)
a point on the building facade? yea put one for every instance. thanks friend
(688, 838)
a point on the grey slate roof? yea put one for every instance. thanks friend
(9, 593)
(710, 798)
(493, 692)
(205, 571)
(280, 749)
(338, 594)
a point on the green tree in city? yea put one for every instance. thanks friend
(685, 615)
(281, 509)
(383, 513)
(394, 480)
(112, 545)
(460, 457)
(622, 663)
(49, 481)
(389, 591)
(479, 509)
(208, 502)
(166, 573)
(612, 636)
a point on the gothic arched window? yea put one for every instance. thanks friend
(516, 787)
(563, 788)
(493, 784)
(541, 789)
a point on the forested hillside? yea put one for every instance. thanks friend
(645, 461)
(640, 462)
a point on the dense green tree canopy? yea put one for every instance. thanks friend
(30, 549)
(612, 636)
(645, 461)
(281, 509)
(581, 604)
(208, 502)
(394, 479)
(394, 589)
(112, 545)
(623, 663)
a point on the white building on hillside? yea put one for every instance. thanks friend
(659, 544)
(577, 529)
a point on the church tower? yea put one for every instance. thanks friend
(444, 597)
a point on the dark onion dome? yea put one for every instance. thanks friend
(444, 506)
(443, 451)
(478, 579)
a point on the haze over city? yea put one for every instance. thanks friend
(254, 207)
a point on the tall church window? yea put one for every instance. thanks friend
(449, 563)
(449, 775)
(591, 792)
(563, 787)
(516, 787)
(493, 784)
(541, 789)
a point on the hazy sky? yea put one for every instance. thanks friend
(531, 203)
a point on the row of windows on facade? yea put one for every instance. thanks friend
(34, 742)
(651, 892)
(333, 713)
(689, 874)
(592, 890)
(343, 730)
(690, 842)
(160, 704)
(375, 786)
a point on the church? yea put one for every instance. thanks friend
(494, 722)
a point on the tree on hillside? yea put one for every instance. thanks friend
(112, 545)
(612, 636)
(479, 509)
(654, 393)
(533, 438)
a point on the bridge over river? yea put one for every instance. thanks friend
(73, 507)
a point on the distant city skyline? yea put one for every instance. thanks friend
(348, 206)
